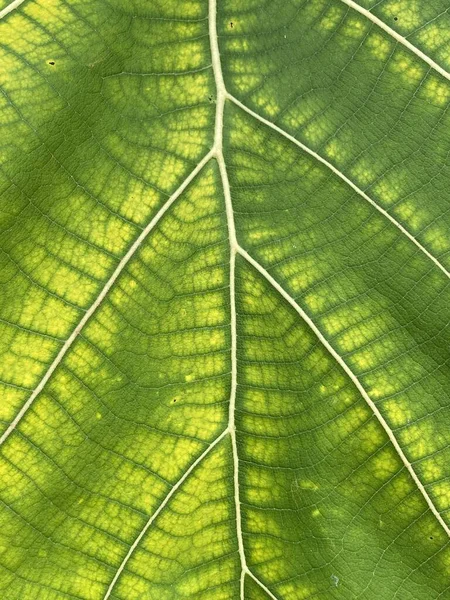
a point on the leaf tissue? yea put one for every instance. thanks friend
(224, 300)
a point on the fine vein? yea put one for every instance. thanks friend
(160, 508)
(354, 379)
(341, 176)
(88, 314)
(398, 37)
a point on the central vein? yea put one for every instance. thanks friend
(221, 94)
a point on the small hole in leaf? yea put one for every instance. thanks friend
(395, 18)
(431, 537)
(51, 62)
(231, 24)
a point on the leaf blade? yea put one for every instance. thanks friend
(261, 375)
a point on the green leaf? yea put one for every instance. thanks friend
(224, 300)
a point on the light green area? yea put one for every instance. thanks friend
(348, 90)
(115, 481)
(425, 23)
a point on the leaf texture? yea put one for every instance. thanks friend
(224, 300)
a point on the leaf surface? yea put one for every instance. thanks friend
(224, 305)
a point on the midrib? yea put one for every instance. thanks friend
(221, 94)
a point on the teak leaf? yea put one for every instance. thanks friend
(224, 300)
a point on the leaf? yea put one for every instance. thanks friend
(224, 300)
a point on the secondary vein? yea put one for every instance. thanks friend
(353, 378)
(341, 175)
(10, 8)
(99, 299)
(399, 38)
(160, 508)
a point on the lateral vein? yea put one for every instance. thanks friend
(10, 8)
(341, 176)
(262, 586)
(353, 378)
(88, 314)
(399, 38)
(160, 508)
